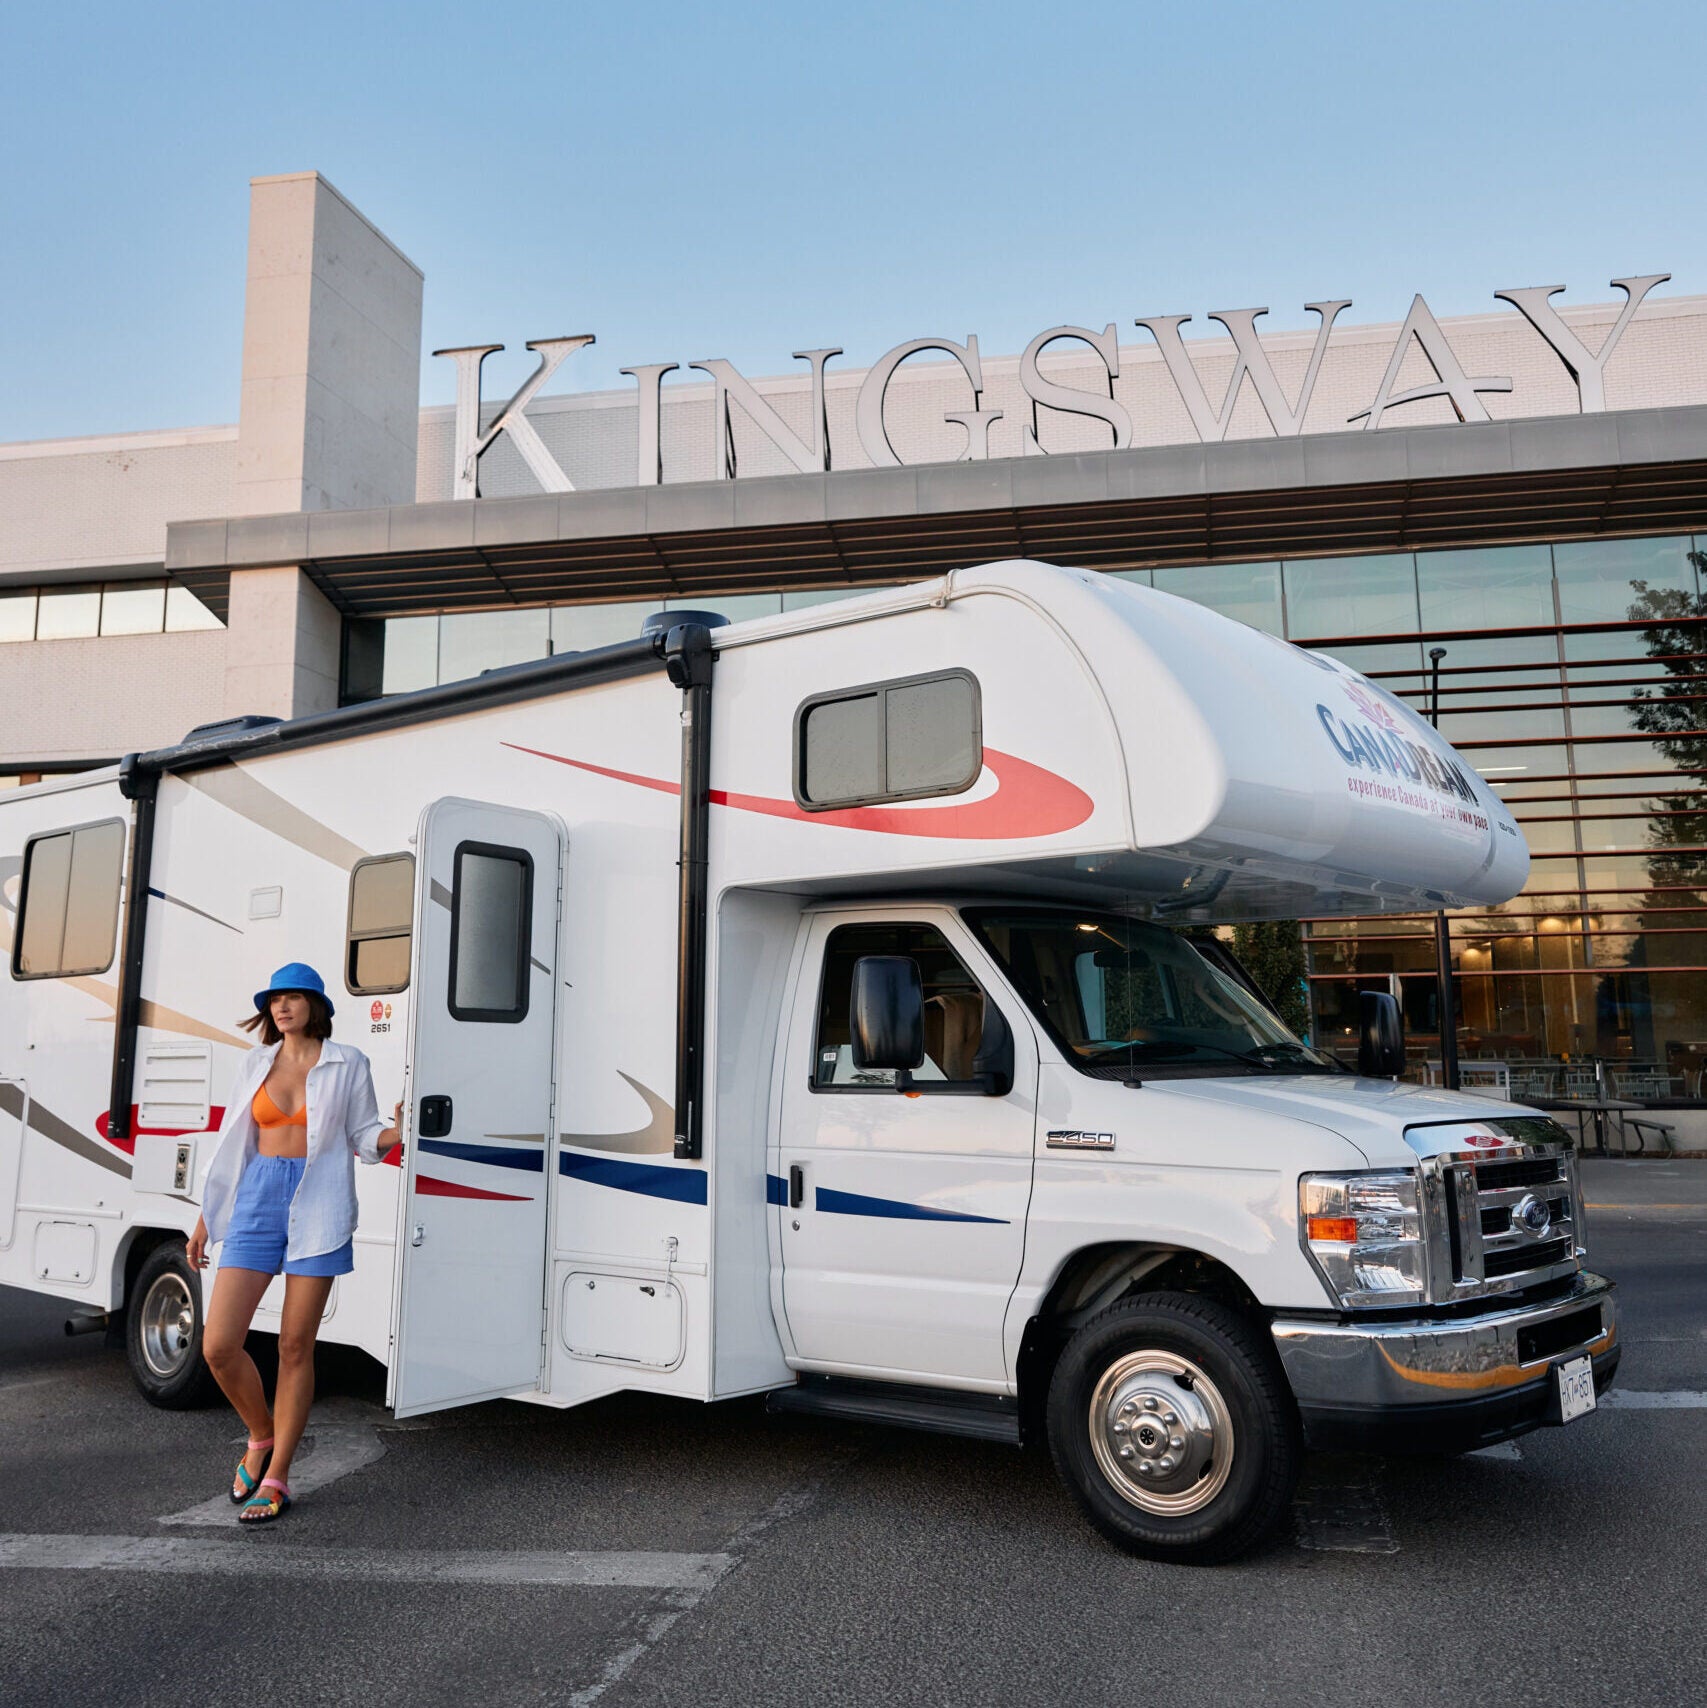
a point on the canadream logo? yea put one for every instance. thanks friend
(1373, 741)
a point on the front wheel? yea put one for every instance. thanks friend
(1170, 1420)
(163, 1331)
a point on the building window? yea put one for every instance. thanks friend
(382, 915)
(68, 904)
(891, 741)
(491, 929)
(116, 608)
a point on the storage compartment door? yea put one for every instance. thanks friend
(472, 1240)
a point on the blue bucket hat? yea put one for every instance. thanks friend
(294, 975)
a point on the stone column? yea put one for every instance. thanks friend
(330, 404)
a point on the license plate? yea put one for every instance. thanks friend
(1576, 1388)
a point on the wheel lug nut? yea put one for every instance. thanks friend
(1150, 1402)
(1171, 1419)
(1121, 1426)
(1145, 1467)
(1166, 1462)
(1126, 1451)
(1176, 1440)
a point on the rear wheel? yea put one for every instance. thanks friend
(1170, 1420)
(163, 1331)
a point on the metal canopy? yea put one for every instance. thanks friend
(1635, 471)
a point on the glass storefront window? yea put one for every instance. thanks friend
(68, 616)
(411, 654)
(17, 616)
(1494, 587)
(133, 610)
(1334, 596)
(1247, 592)
(473, 641)
(585, 628)
(821, 596)
(1596, 577)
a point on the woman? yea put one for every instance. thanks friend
(281, 1194)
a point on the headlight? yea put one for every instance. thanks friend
(1364, 1234)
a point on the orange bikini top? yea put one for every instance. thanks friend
(266, 1112)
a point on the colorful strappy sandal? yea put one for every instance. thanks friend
(250, 1483)
(264, 1508)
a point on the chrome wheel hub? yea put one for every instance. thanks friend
(1161, 1433)
(168, 1325)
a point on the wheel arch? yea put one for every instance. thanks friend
(1096, 1276)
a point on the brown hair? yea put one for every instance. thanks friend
(319, 1017)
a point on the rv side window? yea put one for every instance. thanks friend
(382, 916)
(954, 1009)
(491, 928)
(68, 905)
(890, 741)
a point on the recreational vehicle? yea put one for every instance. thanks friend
(827, 1007)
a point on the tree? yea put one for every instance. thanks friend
(1272, 952)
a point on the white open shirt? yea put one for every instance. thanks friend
(343, 1123)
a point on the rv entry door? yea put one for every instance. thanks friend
(472, 1235)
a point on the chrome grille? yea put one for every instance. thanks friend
(1513, 1222)
(1498, 1222)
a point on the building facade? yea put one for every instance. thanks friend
(1502, 518)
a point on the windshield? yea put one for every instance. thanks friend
(1123, 996)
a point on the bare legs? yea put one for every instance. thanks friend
(236, 1293)
(304, 1301)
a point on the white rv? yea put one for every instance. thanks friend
(795, 1007)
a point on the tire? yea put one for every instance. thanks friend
(163, 1331)
(1193, 1381)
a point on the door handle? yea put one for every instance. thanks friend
(417, 1235)
(796, 1185)
(434, 1121)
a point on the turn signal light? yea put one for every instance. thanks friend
(1339, 1228)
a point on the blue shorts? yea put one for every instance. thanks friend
(260, 1223)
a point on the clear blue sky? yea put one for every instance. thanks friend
(745, 180)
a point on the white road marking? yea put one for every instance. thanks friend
(1507, 1450)
(1641, 1399)
(1338, 1510)
(345, 1438)
(656, 1626)
(241, 1558)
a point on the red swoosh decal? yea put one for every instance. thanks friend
(1029, 801)
(128, 1143)
(429, 1187)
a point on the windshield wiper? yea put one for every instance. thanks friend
(1301, 1060)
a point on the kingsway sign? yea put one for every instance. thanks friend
(812, 454)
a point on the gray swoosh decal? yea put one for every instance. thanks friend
(61, 1132)
(190, 907)
(656, 1138)
(233, 787)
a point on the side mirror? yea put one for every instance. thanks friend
(888, 1013)
(1381, 1036)
(993, 1066)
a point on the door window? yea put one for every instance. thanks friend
(491, 913)
(954, 1008)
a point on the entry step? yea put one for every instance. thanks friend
(984, 1417)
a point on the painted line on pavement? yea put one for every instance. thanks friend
(1643, 1399)
(201, 1555)
(1505, 1450)
(654, 1627)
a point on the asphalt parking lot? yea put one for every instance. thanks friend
(644, 1551)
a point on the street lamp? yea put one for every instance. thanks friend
(1442, 931)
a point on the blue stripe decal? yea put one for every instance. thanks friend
(776, 1189)
(857, 1204)
(499, 1158)
(684, 1185)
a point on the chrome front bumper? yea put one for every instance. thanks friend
(1443, 1384)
